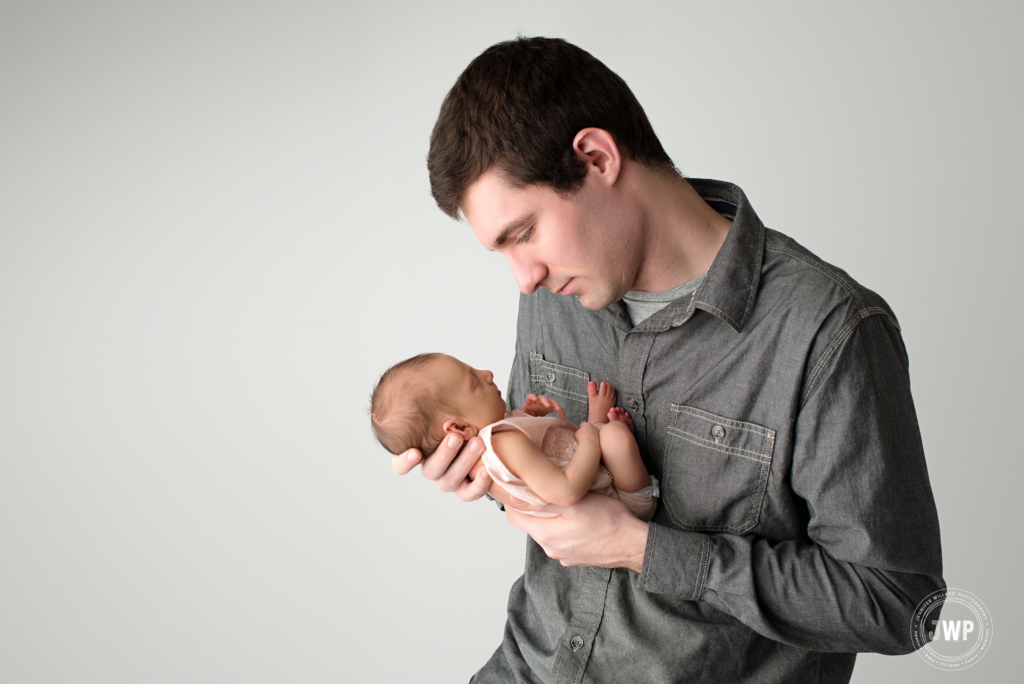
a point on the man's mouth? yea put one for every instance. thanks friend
(561, 290)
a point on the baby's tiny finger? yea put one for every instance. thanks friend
(558, 408)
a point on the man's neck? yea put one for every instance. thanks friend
(682, 233)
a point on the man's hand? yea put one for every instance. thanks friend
(449, 466)
(598, 531)
(453, 466)
(541, 406)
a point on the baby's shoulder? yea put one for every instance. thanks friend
(511, 440)
(515, 450)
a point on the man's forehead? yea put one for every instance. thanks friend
(494, 207)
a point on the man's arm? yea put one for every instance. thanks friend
(872, 551)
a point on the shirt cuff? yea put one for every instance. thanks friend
(675, 562)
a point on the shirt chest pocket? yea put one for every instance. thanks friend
(715, 471)
(565, 385)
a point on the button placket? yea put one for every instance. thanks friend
(633, 355)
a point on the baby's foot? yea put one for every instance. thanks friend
(621, 415)
(601, 401)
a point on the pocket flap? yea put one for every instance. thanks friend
(734, 437)
(554, 379)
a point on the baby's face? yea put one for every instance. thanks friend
(472, 392)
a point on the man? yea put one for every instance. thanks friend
(769, 390)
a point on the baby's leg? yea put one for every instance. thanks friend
(622, 415)
(601, 400)
(621, 455)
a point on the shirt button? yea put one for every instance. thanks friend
(576, 643)
(550, 375)
(718, 432)
(632, 405)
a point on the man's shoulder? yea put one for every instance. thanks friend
(805, 283)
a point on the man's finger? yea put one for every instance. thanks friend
(501, 494)
(471, 490)
(404, 462)
(437, 464)
(535, 526)
(458, 469)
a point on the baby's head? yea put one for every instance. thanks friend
(420, 400)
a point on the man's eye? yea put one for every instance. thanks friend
(525, 236)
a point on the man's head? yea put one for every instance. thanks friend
(529, 143)
(518, 106)
(418, 401)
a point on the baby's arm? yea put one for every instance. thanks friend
(560, 487)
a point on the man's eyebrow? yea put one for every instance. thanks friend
(510, 228)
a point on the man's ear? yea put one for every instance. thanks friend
(597, 148)
(452, 426)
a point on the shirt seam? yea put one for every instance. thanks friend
(713, 419)
(756, 456)
(654, 548)
(833, 346)
(702, 569)
(830, 273)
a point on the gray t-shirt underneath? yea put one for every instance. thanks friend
(641, 305)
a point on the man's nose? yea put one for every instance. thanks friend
(528, 273)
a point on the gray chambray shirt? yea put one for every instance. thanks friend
(796, 525)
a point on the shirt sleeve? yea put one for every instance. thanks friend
(872, 551)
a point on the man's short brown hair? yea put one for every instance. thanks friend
(518, 106)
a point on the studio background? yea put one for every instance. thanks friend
(216, 231)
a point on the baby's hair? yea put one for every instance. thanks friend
(403, 410)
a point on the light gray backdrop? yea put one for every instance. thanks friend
(216, 231)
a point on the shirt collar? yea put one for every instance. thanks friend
(730, 287)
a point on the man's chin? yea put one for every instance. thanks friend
(594, 303)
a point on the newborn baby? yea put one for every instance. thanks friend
(538, 459)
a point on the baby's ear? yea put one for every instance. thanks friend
(453, 426)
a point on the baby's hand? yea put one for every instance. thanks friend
(541, 406)
(587, 432)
